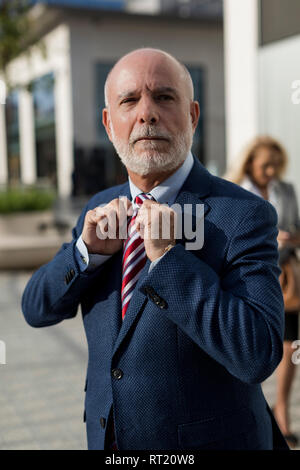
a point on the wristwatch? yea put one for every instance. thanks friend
(169, 247)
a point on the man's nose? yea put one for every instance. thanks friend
(147, 112)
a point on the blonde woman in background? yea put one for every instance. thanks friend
(260, 170)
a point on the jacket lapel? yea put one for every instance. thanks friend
(192, 211)
(116, 309)
(134, 309)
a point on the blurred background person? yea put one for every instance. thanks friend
(260, 169)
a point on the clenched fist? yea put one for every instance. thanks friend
(156, 224)
(105, 226)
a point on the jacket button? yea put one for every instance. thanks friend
(102, 422)
(162, 304)
(155, 298)
(149, 290)
(117, 374)
(69, 276)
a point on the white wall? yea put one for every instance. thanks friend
(143, 6)
(279, 67)
(106, 40)
(241, 95)
(3, 146)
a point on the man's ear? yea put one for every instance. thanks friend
(106, 122)
(195, 113)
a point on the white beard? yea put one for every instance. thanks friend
(151, 160)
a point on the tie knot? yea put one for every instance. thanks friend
(138, 201)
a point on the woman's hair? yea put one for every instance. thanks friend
(242, 166)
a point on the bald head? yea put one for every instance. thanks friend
(150, 115)
(147, 56)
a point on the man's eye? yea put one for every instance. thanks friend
(164, 97)
(128, 100)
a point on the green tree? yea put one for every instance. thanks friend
(14, 29)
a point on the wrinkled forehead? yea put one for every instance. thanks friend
(152, 71)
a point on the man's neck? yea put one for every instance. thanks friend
(147, 182)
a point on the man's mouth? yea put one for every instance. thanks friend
(151, 138)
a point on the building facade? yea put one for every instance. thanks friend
(262, 76)
(51, 128)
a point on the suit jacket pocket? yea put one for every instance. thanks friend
(227, 431)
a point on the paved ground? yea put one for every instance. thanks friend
(41, 385)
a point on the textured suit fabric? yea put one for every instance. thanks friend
(191, 363)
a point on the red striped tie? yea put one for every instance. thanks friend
(134, 256)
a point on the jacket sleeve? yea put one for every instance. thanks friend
(237, 315)
(54, 291)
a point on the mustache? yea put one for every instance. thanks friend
(148, 132)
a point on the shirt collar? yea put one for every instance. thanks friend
(166, 192)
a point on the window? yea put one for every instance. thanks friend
(13, 137)
(115, 172)
(44, 120)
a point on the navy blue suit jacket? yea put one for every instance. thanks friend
(203, 329)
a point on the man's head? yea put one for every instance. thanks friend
(150, 115)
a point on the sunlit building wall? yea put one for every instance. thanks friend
(279, 78)
(60, 140)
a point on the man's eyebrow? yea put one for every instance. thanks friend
(162, 89)
(165, 89)
(127, 94)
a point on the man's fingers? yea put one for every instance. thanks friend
(102, 224)
(140, 228)
(93, 216)
(130, 211)
(125, 201)
(107, 225)
(156, 221)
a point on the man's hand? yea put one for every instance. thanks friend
(111, 219)
(156, 224)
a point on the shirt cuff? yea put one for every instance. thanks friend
(88, 261)
(154, 263)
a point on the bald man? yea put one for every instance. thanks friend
(181, 333)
